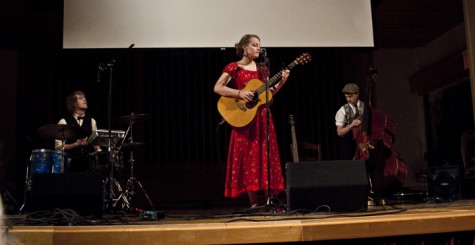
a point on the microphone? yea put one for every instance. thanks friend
(103, 67)
(264, 52)
(264, 55)
(373, 73)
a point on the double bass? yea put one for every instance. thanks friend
(374, 143)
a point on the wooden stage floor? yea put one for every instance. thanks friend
(221, 226)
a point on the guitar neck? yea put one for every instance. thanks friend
(295, 151)
(367, 110)
(274, 79)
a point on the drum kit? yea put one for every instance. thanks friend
(43, 161)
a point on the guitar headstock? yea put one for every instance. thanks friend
(304, 58)
(291, 120)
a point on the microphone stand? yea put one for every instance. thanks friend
(102, 67)
(270, 199)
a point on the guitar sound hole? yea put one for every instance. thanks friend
(255, 97)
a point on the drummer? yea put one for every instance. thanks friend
(78, 150)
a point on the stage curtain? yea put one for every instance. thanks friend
(175, 87)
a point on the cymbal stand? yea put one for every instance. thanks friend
(116, 186)
(111, 184)
(63, 142)
(130, 187)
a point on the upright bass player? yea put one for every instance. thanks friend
(347, 118)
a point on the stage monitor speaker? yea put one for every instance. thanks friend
(335, 186)
(81, 192)
(444, 182)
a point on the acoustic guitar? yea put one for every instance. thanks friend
(239, 113)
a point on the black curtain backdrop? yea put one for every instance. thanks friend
(175, 86)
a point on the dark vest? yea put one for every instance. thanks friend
(78, 157)
(350, 115)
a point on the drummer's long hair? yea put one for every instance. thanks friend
(72, 99)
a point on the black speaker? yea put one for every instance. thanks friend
(444, 183)
(337, 186)
(81, 192)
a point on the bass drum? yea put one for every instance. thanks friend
(43, 161)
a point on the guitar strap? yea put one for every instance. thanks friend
(263, 71)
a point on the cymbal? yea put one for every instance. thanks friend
(61, 131)
(133, 118)
(132, 145)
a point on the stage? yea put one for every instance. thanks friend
(396, 222)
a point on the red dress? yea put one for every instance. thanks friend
(247, 158)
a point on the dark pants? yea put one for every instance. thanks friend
(348, 147)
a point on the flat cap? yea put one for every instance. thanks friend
(350, 88)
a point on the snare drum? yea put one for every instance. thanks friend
(46, 161)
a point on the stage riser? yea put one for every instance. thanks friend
(443, 223)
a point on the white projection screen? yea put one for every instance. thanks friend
(216, 23)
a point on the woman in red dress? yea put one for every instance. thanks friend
(247, 156)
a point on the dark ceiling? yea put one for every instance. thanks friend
(413, 23)
(32, 24)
